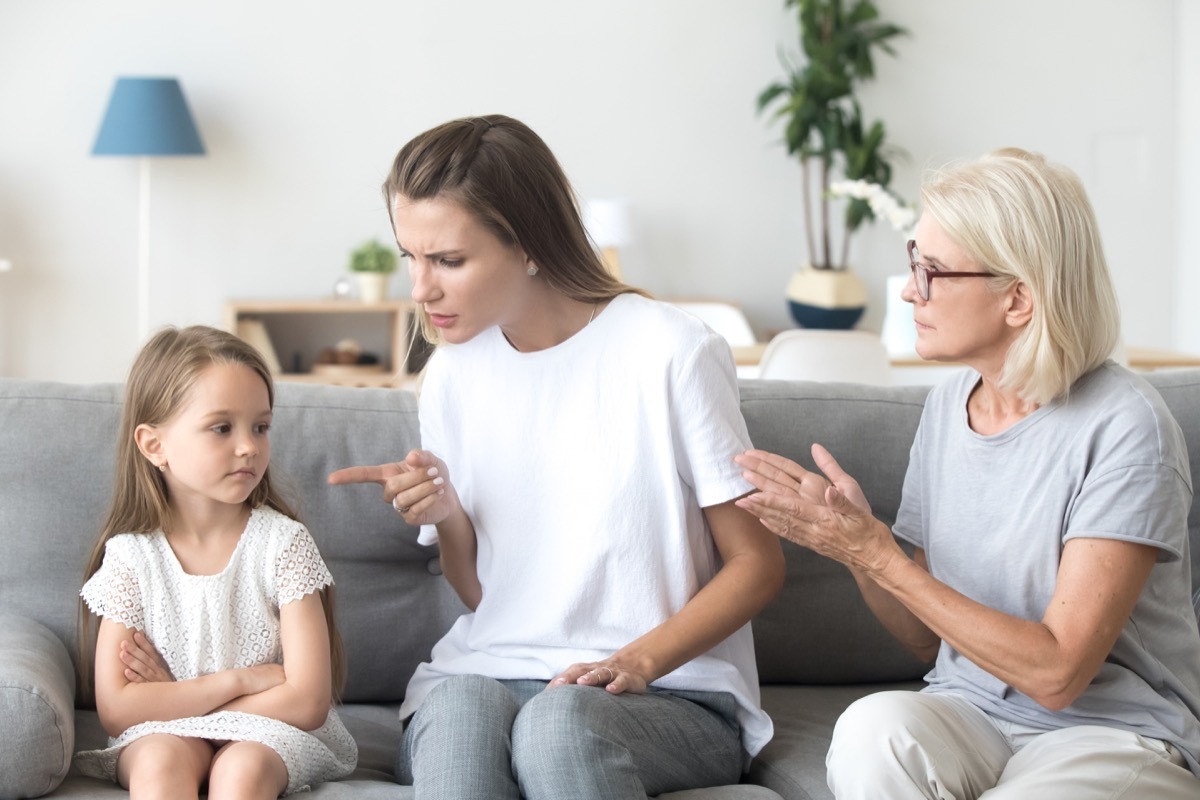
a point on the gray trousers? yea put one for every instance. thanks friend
(480, 738)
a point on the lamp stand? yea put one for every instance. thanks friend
(143, 249)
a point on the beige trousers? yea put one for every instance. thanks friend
(899, 745)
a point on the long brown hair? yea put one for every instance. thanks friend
(505, 176)
(159, 385)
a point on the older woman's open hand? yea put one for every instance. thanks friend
(829, 514)
(776, 474)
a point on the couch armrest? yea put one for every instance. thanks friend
(37, 708)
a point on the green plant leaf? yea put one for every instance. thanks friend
(815, 102)
(372, 257)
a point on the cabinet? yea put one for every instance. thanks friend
(291, 335)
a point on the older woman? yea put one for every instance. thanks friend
(1046, 498)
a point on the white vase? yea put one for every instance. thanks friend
(899, 332)
(372, 286)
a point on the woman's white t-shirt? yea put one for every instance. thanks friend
(585, 469)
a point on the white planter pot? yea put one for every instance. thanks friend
(372, 286)
(826, 298)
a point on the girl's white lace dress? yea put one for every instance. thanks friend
(207, 623)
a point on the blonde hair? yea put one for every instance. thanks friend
(505, 176)
(159, 385)
(1028, 220)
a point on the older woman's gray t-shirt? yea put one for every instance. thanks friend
(993, 513)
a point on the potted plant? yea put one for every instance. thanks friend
(825, 130)
(372, 264)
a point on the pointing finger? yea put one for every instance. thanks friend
(349, 475)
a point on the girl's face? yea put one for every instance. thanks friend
(215, 448)
(466, 279)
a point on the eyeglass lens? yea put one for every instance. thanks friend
(919, 271)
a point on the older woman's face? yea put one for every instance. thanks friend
(466, 279)
(964, 319)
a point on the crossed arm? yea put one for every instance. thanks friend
(297, 692)
(1052, 660)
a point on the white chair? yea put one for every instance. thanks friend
(822, 355)
(724, 318)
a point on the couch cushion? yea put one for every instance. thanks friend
(37, 695)
(818, 629)
(1180, 389)
(58, 442)
(392, 603)
(793, 762)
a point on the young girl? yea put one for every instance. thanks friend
(200, 557)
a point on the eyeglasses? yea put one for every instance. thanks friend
(924, 274)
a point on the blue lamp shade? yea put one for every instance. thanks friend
(148, 117)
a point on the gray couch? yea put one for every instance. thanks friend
(818, 646)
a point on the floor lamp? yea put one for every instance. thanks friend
(147, 117)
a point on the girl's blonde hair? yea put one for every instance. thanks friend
(1026, 219)
(505, 176)
(159, 385)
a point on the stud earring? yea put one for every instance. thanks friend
(532, 270)
(162, 467)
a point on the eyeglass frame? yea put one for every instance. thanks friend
(923, 275)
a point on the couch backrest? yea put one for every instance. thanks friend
(57, 443)
(818, 629)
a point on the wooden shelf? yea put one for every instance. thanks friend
(291, 334)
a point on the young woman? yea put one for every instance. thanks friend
(201, 559)
(577, 473)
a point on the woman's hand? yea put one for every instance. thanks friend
(417, 487)
(830, 516)
(142, 662)
(779, 475)
(608, 675)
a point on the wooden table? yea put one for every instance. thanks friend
(1141, 359)
(749, 355)
(1145, 358)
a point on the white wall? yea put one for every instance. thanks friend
(303, 103)
(1187, 94)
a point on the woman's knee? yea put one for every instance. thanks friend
(561, 737)
(900, 743)
(872, 717)
(568, 716)
(463, 698)
(464, 716)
